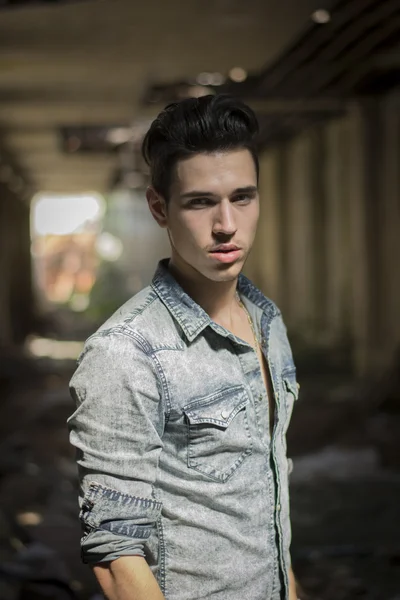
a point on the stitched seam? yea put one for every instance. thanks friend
(138, 311)
(161, 549)
(178, 314)
(289, 371)
(126, 535)
(212, 398)
(219, 475)
(94, 485)
(257, 297)
(148, 351)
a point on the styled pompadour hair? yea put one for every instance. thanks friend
(197, 125)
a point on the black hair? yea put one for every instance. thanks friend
(195, 125)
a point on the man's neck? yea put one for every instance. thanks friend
(217, 298)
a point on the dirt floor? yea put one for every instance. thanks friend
(345, 489)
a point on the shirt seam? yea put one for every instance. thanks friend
(149, 352)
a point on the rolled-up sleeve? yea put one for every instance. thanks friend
(117, 430)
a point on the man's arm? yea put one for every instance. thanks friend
(128, 578)
(292, 586)
(117, 429)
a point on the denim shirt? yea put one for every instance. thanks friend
(173, 441)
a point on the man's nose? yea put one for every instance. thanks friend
(224, 222)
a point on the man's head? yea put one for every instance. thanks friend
(204, 174)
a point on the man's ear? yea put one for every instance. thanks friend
(157, 206)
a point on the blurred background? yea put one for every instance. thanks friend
(80, 81)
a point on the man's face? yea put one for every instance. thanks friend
(212, 213)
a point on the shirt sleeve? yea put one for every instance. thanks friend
(117, 430)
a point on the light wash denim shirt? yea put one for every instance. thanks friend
(173, 441)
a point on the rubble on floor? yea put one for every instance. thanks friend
(345, 493)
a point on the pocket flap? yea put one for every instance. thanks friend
(218, 409)
(291, 384)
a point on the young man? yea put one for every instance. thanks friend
(185, 394)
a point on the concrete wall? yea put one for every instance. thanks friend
(328, 244)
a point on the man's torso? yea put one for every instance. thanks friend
(222, 475)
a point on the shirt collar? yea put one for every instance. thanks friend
(190, 316)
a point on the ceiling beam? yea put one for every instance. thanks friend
(309, 45)
(300, 105)
(317, 68)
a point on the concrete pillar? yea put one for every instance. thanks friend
(338, 265)
(390, 228)
(365, 235)
(359, 251)
(267, 266)
(16, 299)
(319, 272)
(5, 267)
(300, 304)
(21, 293)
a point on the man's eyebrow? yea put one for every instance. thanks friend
(197, 194)
(249, 189)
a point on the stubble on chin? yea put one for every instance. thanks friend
(224, 273)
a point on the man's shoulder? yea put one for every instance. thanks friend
(143, 316)
(126, 314)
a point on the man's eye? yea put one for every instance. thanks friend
(199, 202)
(243, 198)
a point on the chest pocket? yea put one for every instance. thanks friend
(219, 439)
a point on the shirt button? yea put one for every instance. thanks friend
(224, 414)
(278, 507)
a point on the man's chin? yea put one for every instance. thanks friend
(224, 272)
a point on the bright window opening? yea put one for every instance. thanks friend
(65, 234)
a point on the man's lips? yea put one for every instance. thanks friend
(226, 253)
(225, 248)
